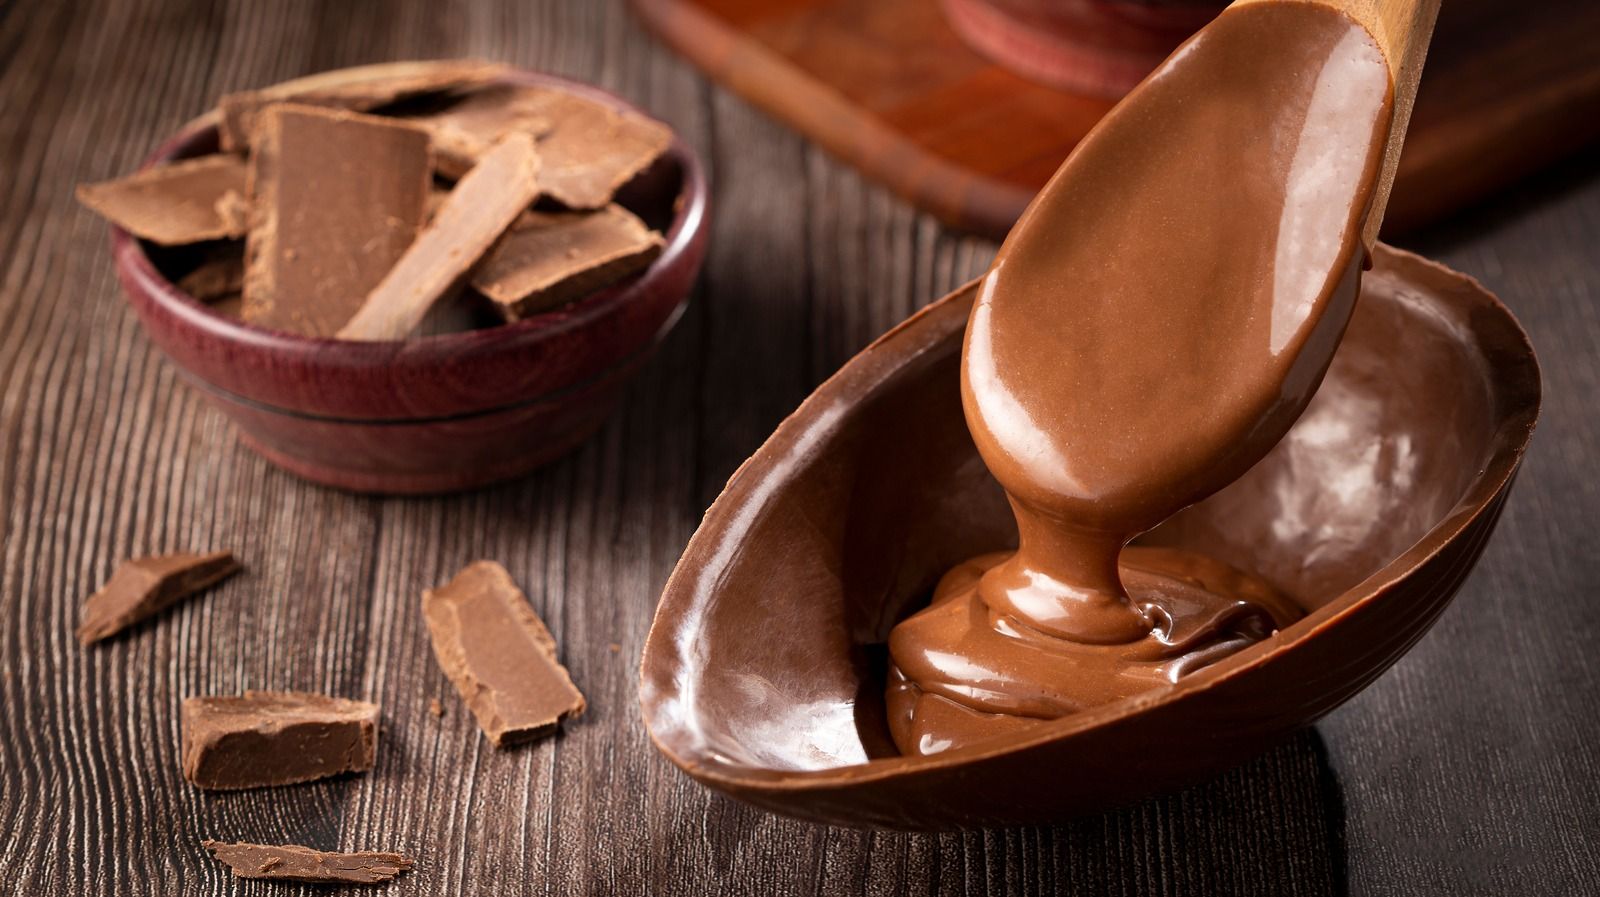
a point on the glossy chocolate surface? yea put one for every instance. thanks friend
(1151, 328)
(764, 672)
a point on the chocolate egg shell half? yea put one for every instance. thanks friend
(763, 673)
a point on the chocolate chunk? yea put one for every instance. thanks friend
(291, 862)
(142, 587)
(356, 90)
(552, 258)
(499, 655)
(592, 149)
(219, 274)
(339, 196)
(465, 130)
(234, 208)
(465, 226)
(261, 738)
(184, 202)
(589, 149)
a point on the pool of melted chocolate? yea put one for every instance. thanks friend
(1155, 322)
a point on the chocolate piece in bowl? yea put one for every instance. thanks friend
(261, 739)
(590, 149)
(182, 202)
(339, 196)
(143, 587)
(292, 862)
(465, 129)
(551, 258)
(499, 655)
(355, 89)
(463, 227)
(219, 273)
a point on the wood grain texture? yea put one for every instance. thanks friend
(1468, 769)
(890, 87)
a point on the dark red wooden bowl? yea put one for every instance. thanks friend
(763, 673)
(437, 413)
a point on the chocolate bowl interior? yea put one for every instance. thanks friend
(763, 673)
(436, 413)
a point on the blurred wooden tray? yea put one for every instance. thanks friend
(889, 88)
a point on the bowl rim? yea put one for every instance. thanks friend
(689, 217)
(1515, 382)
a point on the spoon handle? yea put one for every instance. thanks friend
(1402, 29)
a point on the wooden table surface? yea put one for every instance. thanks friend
(1470, 768)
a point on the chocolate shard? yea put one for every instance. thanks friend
(260, 739)
(499, 655)
(465, 130)
(551, 258)
(593, 149)
(464, 227)
(589, 149)
(219, 275)
(356, 89)
(291, 862)
(338, 198)
(184, 202)
(142, 587)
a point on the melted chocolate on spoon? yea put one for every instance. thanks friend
(1153, 325)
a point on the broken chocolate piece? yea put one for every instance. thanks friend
(261, 738)
(219, 275)
(184, 202)
(550, 259)
(142, 587)
(291, 862)
(355, 90)
(465, 226)
(499, 655)
(229, 306)
(465, 130)
(588, 149)
(339, 196)
(593, 149)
